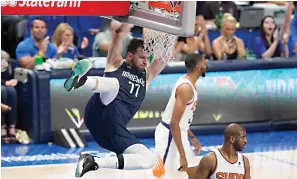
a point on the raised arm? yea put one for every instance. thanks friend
(206, 166)
(154, 69)
(118, 32)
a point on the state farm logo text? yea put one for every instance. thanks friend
(44, 3)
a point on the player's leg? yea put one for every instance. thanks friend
(79, 77)
(135, 157)
(167, 155)
(131, 154)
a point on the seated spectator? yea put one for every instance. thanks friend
(102, 41)
(227, 46)
(8, 103)
(63, 41)
(211, 9)
(35, 45)
(268, 43)
(198, 43)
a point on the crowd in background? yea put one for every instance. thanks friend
(25, 37)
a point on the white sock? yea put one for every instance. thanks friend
(91, 82)
(131, 162)
(108, 162)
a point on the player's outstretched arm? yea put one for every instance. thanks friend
(206, 166)
(184, 94)
(114, 58)
(247, 168)
(155, 69)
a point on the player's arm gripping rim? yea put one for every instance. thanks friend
(206, 166)
(183, 95)
(247, 168)
(154, 69)
(114, 58)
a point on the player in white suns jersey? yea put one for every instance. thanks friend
(172, 134)
(226, 162)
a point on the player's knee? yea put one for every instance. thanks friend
(148, 160)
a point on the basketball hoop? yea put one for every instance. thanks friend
(159, 45)
(173, 17)
(164, 21)
(168, 8)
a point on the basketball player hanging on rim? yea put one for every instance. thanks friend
(227, 162)
(177, 154)
(117, 97)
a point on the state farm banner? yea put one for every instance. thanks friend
(65, 7)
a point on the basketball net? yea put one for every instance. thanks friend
(160, 45)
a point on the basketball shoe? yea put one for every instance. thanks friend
(86, 163)
(78, 75)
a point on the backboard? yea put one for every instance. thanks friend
(173, 17)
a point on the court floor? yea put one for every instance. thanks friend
(272, 156)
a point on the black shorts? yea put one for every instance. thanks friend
(107, 127)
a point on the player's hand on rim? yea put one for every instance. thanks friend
(124, 28)
(195, 142)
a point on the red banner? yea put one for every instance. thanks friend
(65, 7)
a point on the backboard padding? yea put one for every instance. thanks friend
(182, 26)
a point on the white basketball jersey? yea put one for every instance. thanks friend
(187, 117)
(225, 169)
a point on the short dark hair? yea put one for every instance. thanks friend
(192, 60)
(134, 44)
(37, 18)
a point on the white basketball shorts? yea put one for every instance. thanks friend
(167, 150)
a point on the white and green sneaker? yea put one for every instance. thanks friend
(78, 75)
(85, 164)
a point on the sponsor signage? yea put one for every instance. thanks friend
(223, 97)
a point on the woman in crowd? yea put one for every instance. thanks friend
(268, 43)
(63, 41)
(8, 102)
(198, 43)
(227, 46)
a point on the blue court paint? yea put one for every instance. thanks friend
(41, 154)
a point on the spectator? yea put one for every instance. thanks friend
(268, 43)
(293, 29)
(227, 46)
(76, 22)
(102, 41)
(35, 45)
(213, 8)
(198, 43)
(51, 24)
(63, 41)
(12, 32)
(8, 103)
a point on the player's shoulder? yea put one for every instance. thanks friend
(184, 87)
(209, 160)
(245, 159)
(211, 156)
